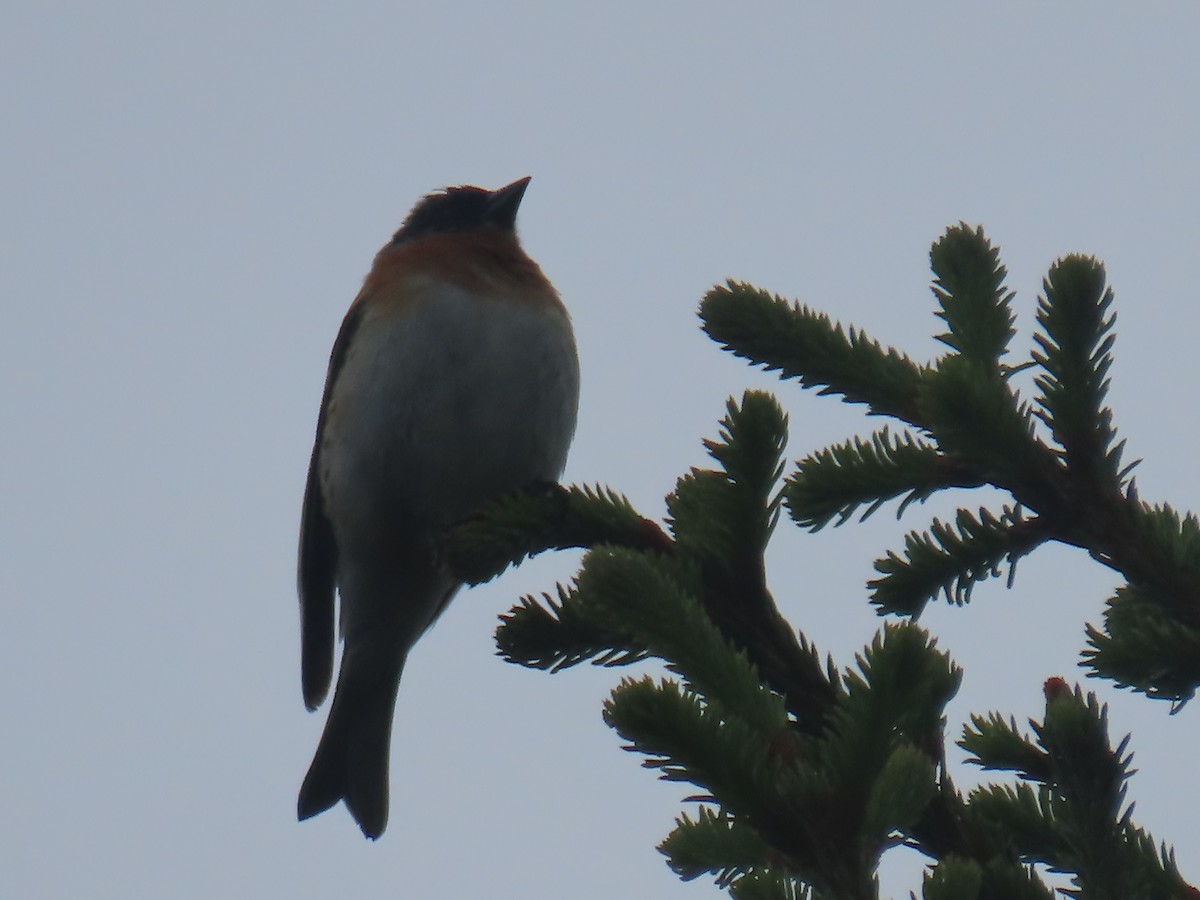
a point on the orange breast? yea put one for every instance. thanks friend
(487, 263)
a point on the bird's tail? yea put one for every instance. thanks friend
(351, 762)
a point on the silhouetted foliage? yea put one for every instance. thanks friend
(808, 772)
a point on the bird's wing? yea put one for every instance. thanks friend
(316, 574)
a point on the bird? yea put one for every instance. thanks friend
(454, 379)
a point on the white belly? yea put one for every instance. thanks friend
(436, 411)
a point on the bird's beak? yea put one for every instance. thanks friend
(504, 203)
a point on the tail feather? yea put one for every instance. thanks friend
(351, 762)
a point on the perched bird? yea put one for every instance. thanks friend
(454, 378)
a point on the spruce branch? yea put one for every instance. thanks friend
(974, 430)
(953, 879)
(716, 844)
(557, 634)
(728, 514)
(958, 878)
(810, 773)
(800, 343)
(1076, 821)
(1144, 647)
(752, 438)
(525, 523)
(950, 559)
(978, 420)
(656, 603)
(767, 884)
(999, 745)
(721, 521)
(902, 685)
(688, 740)
(972, 298)
(1155, 547)
(1021, 816)
(1075, 341)
(833, 483)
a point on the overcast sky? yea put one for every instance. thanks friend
(192, 194)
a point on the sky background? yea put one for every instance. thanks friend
(192, 194)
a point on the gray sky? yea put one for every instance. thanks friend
(193, 193)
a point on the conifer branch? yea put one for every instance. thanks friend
(716, 844)
(657, 604)
(978, 431)
(800, 343)
(1144, 647)
(833, 483)
(557, 634)
(1077, 821)
(810, 773)
(950, 559)
(977, 420)
(525, 523)
(768, 884)
(721, 521)
(972, 299)
(1075, 343)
